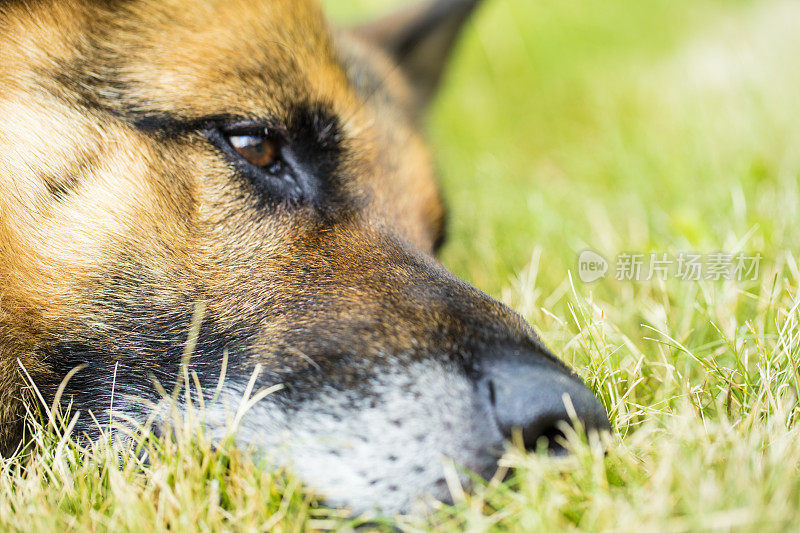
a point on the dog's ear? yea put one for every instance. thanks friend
(420, 39)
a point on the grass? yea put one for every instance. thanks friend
(622, 126)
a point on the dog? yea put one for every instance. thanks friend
(245, 159)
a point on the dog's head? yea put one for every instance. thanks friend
(158, 156)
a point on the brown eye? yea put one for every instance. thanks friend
(259, 150)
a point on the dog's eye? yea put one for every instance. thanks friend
(260, 150)
(264, 157)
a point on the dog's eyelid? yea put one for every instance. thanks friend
(251, 127)
(246, 129)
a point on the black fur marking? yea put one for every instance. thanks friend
(422, 44)
(143, 346)
(430, 22)
(440, 231)
(91, 79)
(169, 125)
(60, 186)
(364, 78)
(315, 150)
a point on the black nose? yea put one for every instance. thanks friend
(527, 393)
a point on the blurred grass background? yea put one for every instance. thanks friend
(546, 118)
(660, 126)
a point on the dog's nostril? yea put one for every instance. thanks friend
(551, 438)
(492, 396)
(554, 439)
(531, 395)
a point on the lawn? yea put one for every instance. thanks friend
(624, 127)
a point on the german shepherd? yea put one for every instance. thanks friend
(243, 157)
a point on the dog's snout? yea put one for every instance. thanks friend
(533, 395)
